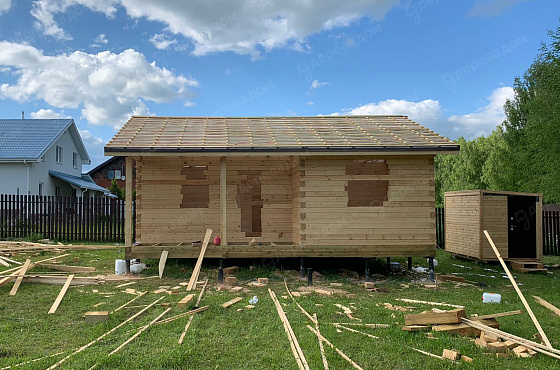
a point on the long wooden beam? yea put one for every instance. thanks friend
(104, 335)
(20, 277)
(182, 337)
(544, 303)
(61, 294)
(355, 365)
(196, 271)
(128, 204)
(514, 283)
(223, 201)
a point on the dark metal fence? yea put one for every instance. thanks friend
(551, 232)
(440, 227)
(62, 218)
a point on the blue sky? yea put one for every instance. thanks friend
(449, 65)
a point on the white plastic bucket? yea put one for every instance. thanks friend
(491, 298)
(120, 267)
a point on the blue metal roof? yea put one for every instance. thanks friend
(29, 138)
(84, 182)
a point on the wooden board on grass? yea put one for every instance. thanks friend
(430, 317)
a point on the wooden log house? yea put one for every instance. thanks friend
(338, 186)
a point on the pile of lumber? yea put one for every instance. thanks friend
(450, 321)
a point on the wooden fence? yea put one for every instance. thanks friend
(62, 218)
(440, 227)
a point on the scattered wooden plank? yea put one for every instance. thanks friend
(104, 335)
(68, 268)
(415, 328)
(514, 283)
(183, 303)
(452, 278)
(464, 329)
(321, 348)
(228, 271)
(294, 344)
(231, 302)
(10, 260)
(384, 326)
(544, 303)
(162, 261)
(6, 279)
(525, 342)
(325, 340)
(20, 277)
(61, 280)
(191, 312)
(496, 315)
(262, 281)
(451, 355)
(182, 337)
(297, 304)
(427, 353)
(125, 284)
(61, 294)
(498, 347)
(96, 316)
(4, 263)
(231, 280)
(196, 270)
(129, 302)
(428, 303)
(139, 332)
(356, 331)
(430, 317)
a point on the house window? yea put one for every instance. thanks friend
(59, 154)
(196, 193)
(367, 192)
(57, 191)
(110, 175)
(118, 174)
(41, 189)
(75, 160)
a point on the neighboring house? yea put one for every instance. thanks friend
(113, 168)
(44, 157)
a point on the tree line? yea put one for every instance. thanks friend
(523, 153)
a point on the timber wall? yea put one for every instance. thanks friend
(462, 224)
(305, 206)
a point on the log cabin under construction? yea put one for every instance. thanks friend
(337, 186)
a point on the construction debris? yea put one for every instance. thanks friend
(428, 303)
(182, 337)
(183, 303)
(430, 317)
(61, 294)
(544, 303)
(196, 270)
(231, 302)
(96, 316)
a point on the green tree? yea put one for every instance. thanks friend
(116, 189)
(532, 126)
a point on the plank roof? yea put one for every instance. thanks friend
(143, 134)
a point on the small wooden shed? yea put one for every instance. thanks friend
(341, 186)
(514, 221)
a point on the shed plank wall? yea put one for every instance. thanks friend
(462, 225)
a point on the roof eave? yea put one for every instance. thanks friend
(411, 150)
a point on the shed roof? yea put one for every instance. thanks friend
(275, 134)
(84, 181)
(29, 139)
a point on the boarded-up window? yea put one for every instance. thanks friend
(249, 200)
(196, 192)
(367, 192)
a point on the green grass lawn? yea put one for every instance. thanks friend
(255, 339)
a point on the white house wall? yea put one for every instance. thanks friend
(14, 175)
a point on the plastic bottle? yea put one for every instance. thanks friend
(491, 298)
(120, 267)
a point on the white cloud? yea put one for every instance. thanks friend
(189, 104)
(107, 87)
(491, 8)
(161, 41)
(94, 146)
(310, 103)
(44, 10)
(47, 114)
(241, 26)
(423, 112)
(315, 85)
(429, 113)
(485, 119)
(5, 5)
(101, 39)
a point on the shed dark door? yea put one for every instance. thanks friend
(522, 227)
